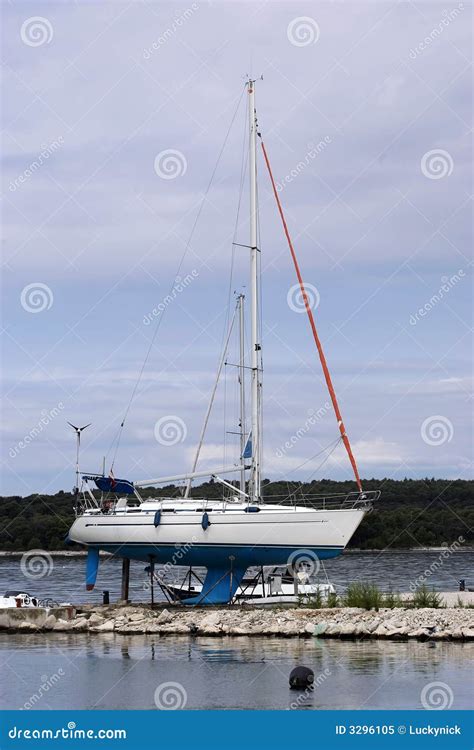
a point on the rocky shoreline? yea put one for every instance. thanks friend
(451, 624)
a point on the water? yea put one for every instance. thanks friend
(65, 575)
(110, 671)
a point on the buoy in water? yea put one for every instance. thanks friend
(301, 678)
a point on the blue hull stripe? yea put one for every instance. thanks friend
(213, 556)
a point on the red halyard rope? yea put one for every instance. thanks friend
(309, 312)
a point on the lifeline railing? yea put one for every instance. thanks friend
(336, 501)
(341, 500)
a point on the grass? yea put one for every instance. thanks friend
(423, 597)
(461, 604)
(364, 595)
(332, 600)
(315, 601)
(392, 599)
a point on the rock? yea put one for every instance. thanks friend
(372, 625)
(151, 627)
(291, 628)
(164, 617)
(347, 630)
(396, 634)
(4, 622)
(318, 628)
(62, 625)
(381, 630)
(29, 626)
(210, 623)
(468, 634)
(107, 627)
(236, 630)
(50, 622)
(131, 628)
(181, 628)
(137, 617)
(440, 635)
(80, 624)
(418, 633)
(95, 619)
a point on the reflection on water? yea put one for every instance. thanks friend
(123, 672)
(393, 570)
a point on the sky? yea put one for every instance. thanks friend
(113, 118)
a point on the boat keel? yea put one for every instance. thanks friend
(219, 586)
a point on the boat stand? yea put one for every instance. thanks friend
(172, 593)
(124, 594)
(247, 587)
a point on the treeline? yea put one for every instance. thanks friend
(410, 513)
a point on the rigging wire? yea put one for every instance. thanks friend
(318, 468)
(333, 445)
(243, 171)
(181, 262)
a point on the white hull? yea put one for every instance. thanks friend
(265, 537)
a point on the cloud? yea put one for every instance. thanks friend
(97, 224)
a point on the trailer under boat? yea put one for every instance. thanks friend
(269, 585)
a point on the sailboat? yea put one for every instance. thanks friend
(240, 531)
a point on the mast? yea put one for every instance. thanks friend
(254, 306)
(242, 388)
